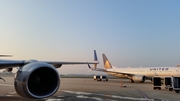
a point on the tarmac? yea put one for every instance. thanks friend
(87, 89)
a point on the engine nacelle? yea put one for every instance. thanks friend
(138, 78)
(37, 80)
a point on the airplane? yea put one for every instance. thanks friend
(137, 74)
(37, 79)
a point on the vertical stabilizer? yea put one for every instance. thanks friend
(95, 58)
(107, 64)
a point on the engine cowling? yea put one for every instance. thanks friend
(37, 80)
(138, 78)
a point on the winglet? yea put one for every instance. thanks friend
(95, 59)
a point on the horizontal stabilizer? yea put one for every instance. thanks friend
(5, 55)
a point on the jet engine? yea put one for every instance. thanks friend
(138, 78)
(37, 80)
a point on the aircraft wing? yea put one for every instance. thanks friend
(18, 63)
(59, 64)
(37, 79)
(5, 55)
(11, 63)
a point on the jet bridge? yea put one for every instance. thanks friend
(171, 83)
(168, 83)
(156, 82)
(176, 84)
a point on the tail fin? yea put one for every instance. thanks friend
(107, 64)
(95, 58)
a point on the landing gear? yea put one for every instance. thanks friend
(170, 89)
(131, 81)
(141, 81)
(159, 88)
(177, 91)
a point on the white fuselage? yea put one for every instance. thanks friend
(148, 71)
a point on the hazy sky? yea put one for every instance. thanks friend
(130, 32)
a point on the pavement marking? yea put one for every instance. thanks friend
(81, 95)
(54, 100)
(6, 85)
